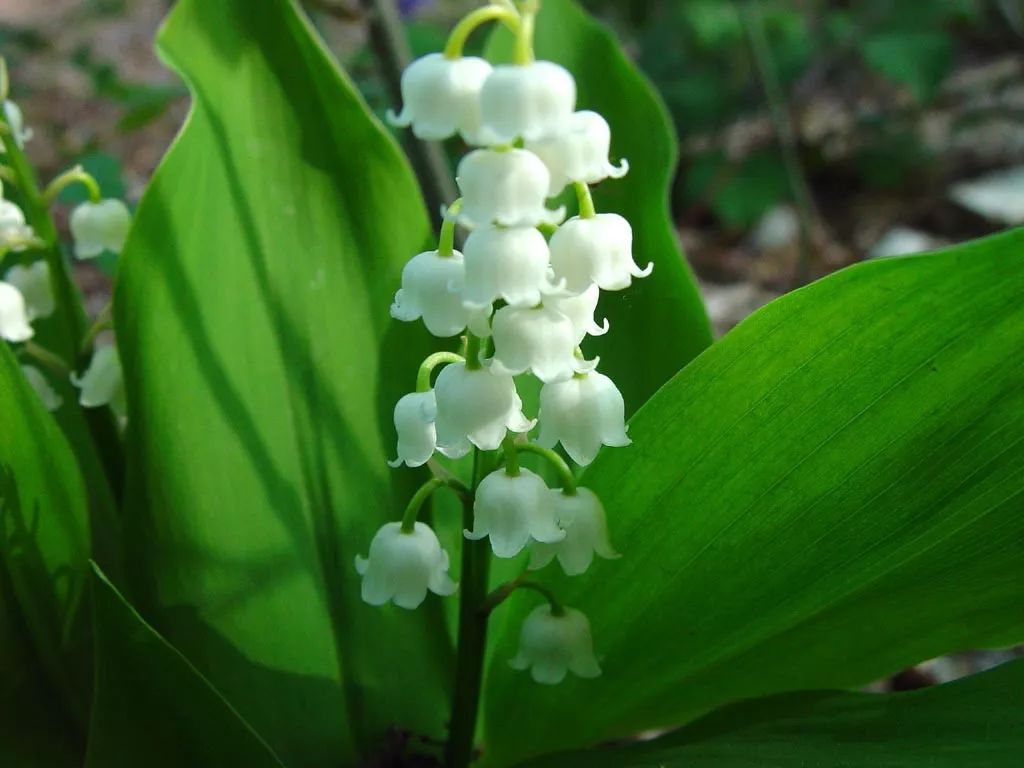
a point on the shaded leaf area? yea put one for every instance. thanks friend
(261, 369)
(44, 552)
(658, 324)
(830, 493)
(152, 707)
(978, 721)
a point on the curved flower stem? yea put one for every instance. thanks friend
(508, 448)
(502, 593)
(560, 465)
(427, 367)
(473, 348)
(586, 201)
(412, 509)
(54, 362)
(457, 39)
(76, 175)
(104, 322)
(524, 35)
(446, 245)
(472, 641)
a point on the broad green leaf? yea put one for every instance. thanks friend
(831, 492)
(44, 551)
(918, 60)
(978, 721)
(152, 707)
(261, 369)
(658, 324)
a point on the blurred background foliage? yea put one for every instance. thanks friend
(857, 127)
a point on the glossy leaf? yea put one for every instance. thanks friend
(658, 324)
(152, 707)
(44, 551)
(978, 721)
(261, 370)
(830, 493)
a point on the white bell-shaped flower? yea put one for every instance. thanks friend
(505, 187)
(505, 263)
(34, 283)
(580, 310)
(511, 510)
(581, 516)
(582, 413)
(401, 567)
(579, 152)
(42, 387)
(16, 122)
(551, 645)
(14, 324)
(99, 227)
(537, 339)
(598, 249)
(527, 101)
(429, 291)
(414, 422)
(102, 383)
(15, 234)
(441, 97)
(476, 407)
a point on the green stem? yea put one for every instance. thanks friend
(472, 640)
(46, 358)
(446, 245)
(76, 175)
(524, 35)
(586, 201)
(457, 39)
(425, 491)
(508, 447)
(428, 366)
(473, 344)
(104, 322)
(502, 593)
(560, 465)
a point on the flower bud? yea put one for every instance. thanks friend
(427, 292)
(99, 227)
(14, 325)
(536, 339)
(511, 510)
(582, 517)
(582, 413)
(504, 187)
(441, 97)
(508, 264)
(402, 566)
(580, 310)
(550, 645)
(579, 152)
(34, 283)
(598, 250)
(15, 234)
(414, 422)
(476, 406)
(16, 122)
(527, 101)
(51, 400)
(102, 383)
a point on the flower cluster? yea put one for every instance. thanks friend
(523, 291)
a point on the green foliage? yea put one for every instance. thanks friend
(973, 722)
(828, 494)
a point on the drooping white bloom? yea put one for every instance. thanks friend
(527, 101)
(401, 567)
(34, 283)
(552, 645)
(99, 227)
(505, 187)
(42, 387)
(16, 122)
(102, 383)
(505, 263)
(581, 516)
(15, 234)
(414, 422)
(511, 510)
(476, 407)
(441, 97)
(428, 291)
(582, 413)
(579, 152)
(598, 250)
(13, 315)
(536, 339)
(580, 310)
